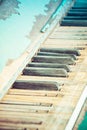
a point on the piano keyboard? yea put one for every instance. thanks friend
(45, 94)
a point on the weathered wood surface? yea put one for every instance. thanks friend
(50, 107)
(29, 109)
(63, 51)
(36, 85)
(49, 65)
(52, 72)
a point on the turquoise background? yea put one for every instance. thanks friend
(14, 30)
(83, 125)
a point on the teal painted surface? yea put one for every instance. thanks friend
(14, 29)
(83, 125)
